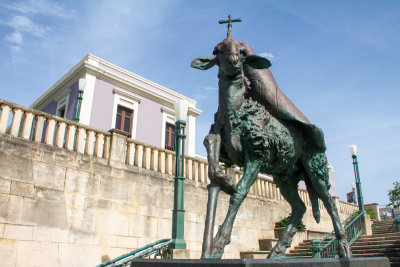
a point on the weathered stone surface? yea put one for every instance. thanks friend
(48, 175)
(82, 182)
(49, 194)
(21, 189)
(147, 194)
(112, 223)
(50, 234)
(84, 238)
(44, 213)
(142, 226)
(82, 220)
(19, 232)
(107, 240)
(10, 208)
(127, 242)
(8, 252)
(117, 189)
(41, 254)
(15, 168)
(5, 186)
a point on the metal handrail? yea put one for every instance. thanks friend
(343, 223)
(325, 251)
(146, 251)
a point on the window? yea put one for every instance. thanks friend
(123, 120)
(61, 112)
(169, 136)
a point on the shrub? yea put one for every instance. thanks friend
(284, 222)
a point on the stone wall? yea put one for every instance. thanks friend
(78, 205)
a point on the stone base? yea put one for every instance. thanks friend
(352, 262)
(179, 254)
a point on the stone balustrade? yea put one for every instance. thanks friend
(41, 127)
(38, 126)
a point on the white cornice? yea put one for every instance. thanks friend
(87, 65)
(140, 78)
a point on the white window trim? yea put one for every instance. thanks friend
(62, 101)
(167, 117)
(125, 99)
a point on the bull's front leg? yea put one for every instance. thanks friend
(212, 142)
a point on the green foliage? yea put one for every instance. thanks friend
(284, 222)
(394, 195)
(369, 211)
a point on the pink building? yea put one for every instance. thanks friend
(116, 98)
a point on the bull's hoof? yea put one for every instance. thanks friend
(275, 255)
(344, 250)
(225, 181)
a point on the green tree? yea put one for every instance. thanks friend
(394, 195)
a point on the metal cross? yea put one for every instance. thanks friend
(229, 21)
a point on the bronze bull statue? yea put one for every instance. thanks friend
(258, 128)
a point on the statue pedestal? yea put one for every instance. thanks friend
(350, 262)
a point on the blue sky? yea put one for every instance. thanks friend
(338, 61)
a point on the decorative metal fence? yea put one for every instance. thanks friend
(158, 249)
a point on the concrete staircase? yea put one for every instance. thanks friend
(384, 241)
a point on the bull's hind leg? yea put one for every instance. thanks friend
(223, 236)
(289, 190)
(316, 166)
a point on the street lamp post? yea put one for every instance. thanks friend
(353, 151)
(353, 187)
(178, 213)
(81, 85)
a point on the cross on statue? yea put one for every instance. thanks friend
(229, 21)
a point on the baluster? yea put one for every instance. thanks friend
(99, 145)
(173, 164)
(259, 187)
(107, 143)
(89, 148)
(16, 122)
(5, 112)
(196, 170)
(139, 156)
(169, 163)
(189, 170)
(130, 153)
(80, 140)
(60, 134)
(49, 134)
(202, 176)
(161, 161)
(39, 128)
(147, 157)
(27, 127)
(69, 141)
(154, 160)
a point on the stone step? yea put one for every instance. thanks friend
(373, 244)
(376, 250)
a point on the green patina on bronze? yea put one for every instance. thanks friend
(258, 128)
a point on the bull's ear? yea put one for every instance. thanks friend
(204, 63)
(257, 62)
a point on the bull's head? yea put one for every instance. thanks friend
(230, 55)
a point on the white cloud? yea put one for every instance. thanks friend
(24, 24)
(268, 55)
(15, 37)
(42, 7)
